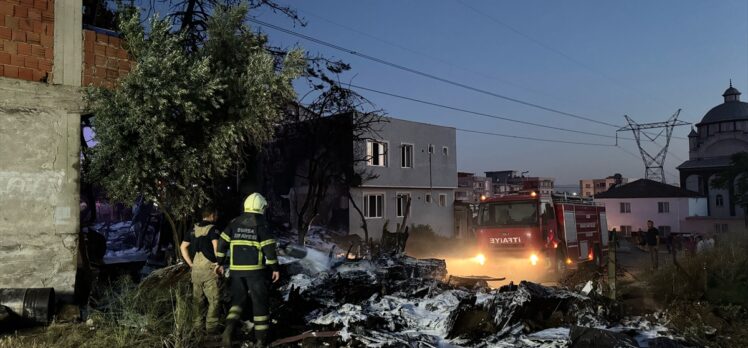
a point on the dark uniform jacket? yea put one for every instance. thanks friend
(251, 245)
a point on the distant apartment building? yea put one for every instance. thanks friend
(401, 159)
(629, 206)
(513, 181)
(472, 188)
(591, 187)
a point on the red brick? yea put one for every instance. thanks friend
(100, 72)
(48, 16)
(35, 14)
(100, 49)
(99, 60)
(123, 65)
(123, 72)
(6, 8)
(39, 75)
(2, 71)
(86, 80)
(89, 35)
(111, 63)
(122, 54)
(16, 60)
(88, 57)
(26, 74)
(24, 49)
(31, 62)
(38, 26)
(115, 41)
(11, 22)
(32, 37)
(10, 47)
(46, 40)
(42, 4)
(21, 11)
(4, 58)
(11, 71)
(111, 52)
(25, 25)
(19, 35)
(103, 38)
(29, 3)
(2, 21)
(88, 46)
(111, 74)
(45, 65)
(48, 54)
(5, 33)
(37, 51)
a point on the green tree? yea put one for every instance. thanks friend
(181, 119)
(736, 175)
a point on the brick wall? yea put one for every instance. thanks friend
(26, 39)
(104, 59)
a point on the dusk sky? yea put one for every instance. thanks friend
(598, 60)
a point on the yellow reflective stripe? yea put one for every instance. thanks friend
(220, 254)
(235, 312)
(261, 318)
(246, 268)
(262, 327)
(225, 237)
(246, 242)
(271, 262)
(267, 242)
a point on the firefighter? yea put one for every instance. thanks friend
(252, 247)
(204, 239)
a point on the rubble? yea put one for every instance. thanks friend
(400, 301)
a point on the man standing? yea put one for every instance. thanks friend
(204, 238)
(252, 246)
(652, 238)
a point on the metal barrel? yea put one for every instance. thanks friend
(35, 304)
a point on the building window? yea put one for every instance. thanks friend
(376, 152)
(625, 208)
(664, 230)
(406, 156)
(663, 207)
(587, 186)
(402, 203)
(428, 198)
(719, 201)
(442, 200)
(445, 151)
(626, 230)
(373, 205)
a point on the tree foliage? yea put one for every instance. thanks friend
(181, 118)
(737, 175)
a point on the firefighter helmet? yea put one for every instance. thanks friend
(255, 203)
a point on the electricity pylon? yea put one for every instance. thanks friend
(654, 166)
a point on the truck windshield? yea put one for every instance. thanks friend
(508, 214)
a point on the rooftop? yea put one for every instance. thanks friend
(645, 188)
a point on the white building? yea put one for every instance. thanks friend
(628, 207)
(408, 159)
(591, 187)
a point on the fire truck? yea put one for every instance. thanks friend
(556, 230)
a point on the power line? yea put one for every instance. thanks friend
(534, 139)
(427, 75)
(556, 51)
(482, 114)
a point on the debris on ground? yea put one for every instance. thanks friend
(396, 301)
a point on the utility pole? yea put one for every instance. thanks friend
(654, 166)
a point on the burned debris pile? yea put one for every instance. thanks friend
(400, 301)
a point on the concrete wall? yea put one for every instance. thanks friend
(39, 173)
(443, 168)
(440, 218)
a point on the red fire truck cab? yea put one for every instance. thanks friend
(561, 231)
